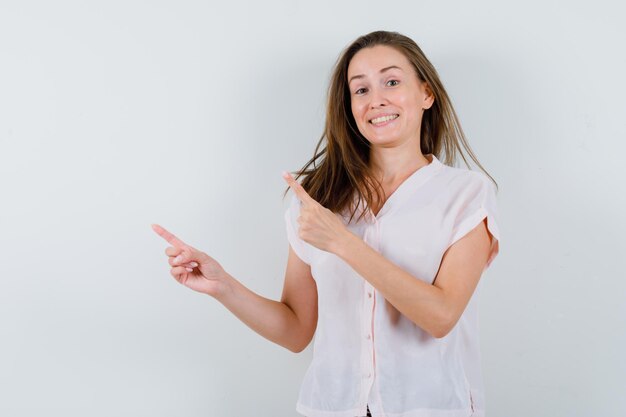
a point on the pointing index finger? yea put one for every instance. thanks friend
(297, 188)
(168, 236)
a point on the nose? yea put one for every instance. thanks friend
(378, 97)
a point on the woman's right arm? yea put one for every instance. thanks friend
(290, 322)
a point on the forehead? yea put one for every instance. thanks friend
(372, 59)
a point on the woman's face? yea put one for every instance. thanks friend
(386, 96)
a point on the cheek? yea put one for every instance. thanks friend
(353, 110)
(410, 106)
(358, 112)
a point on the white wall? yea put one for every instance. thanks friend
(121, 114)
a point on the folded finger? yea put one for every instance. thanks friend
(172, 262)
(177, 271)
(173, 251)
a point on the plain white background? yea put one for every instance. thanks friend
(115, 115)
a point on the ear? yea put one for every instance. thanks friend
(429, 97)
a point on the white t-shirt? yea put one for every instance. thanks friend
(365, 351)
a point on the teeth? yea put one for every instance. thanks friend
(383, 119)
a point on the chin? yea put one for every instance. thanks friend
(385, 141)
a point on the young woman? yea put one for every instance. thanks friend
(387, 246)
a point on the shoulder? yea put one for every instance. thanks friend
(460, 179)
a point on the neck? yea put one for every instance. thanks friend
(395, 164)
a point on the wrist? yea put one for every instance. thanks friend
(347, 242)
(226, 289)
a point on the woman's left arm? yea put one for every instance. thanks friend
(436, 307)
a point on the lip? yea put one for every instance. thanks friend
(382, 115)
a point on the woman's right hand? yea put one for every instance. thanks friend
(193, 268)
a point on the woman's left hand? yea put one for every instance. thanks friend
(319, 226)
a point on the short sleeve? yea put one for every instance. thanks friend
(477, 202)
(291, 222)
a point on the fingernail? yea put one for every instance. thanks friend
(194, 264)
(178, 259)
(189, 269)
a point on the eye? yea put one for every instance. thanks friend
(395, 81)
(357, 91)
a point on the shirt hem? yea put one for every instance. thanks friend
(460, 412)
(356, 412)
(309, 412)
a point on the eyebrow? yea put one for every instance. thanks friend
(381, 71)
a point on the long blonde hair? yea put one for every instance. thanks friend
(343, 169)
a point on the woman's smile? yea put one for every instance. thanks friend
(384, 120)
